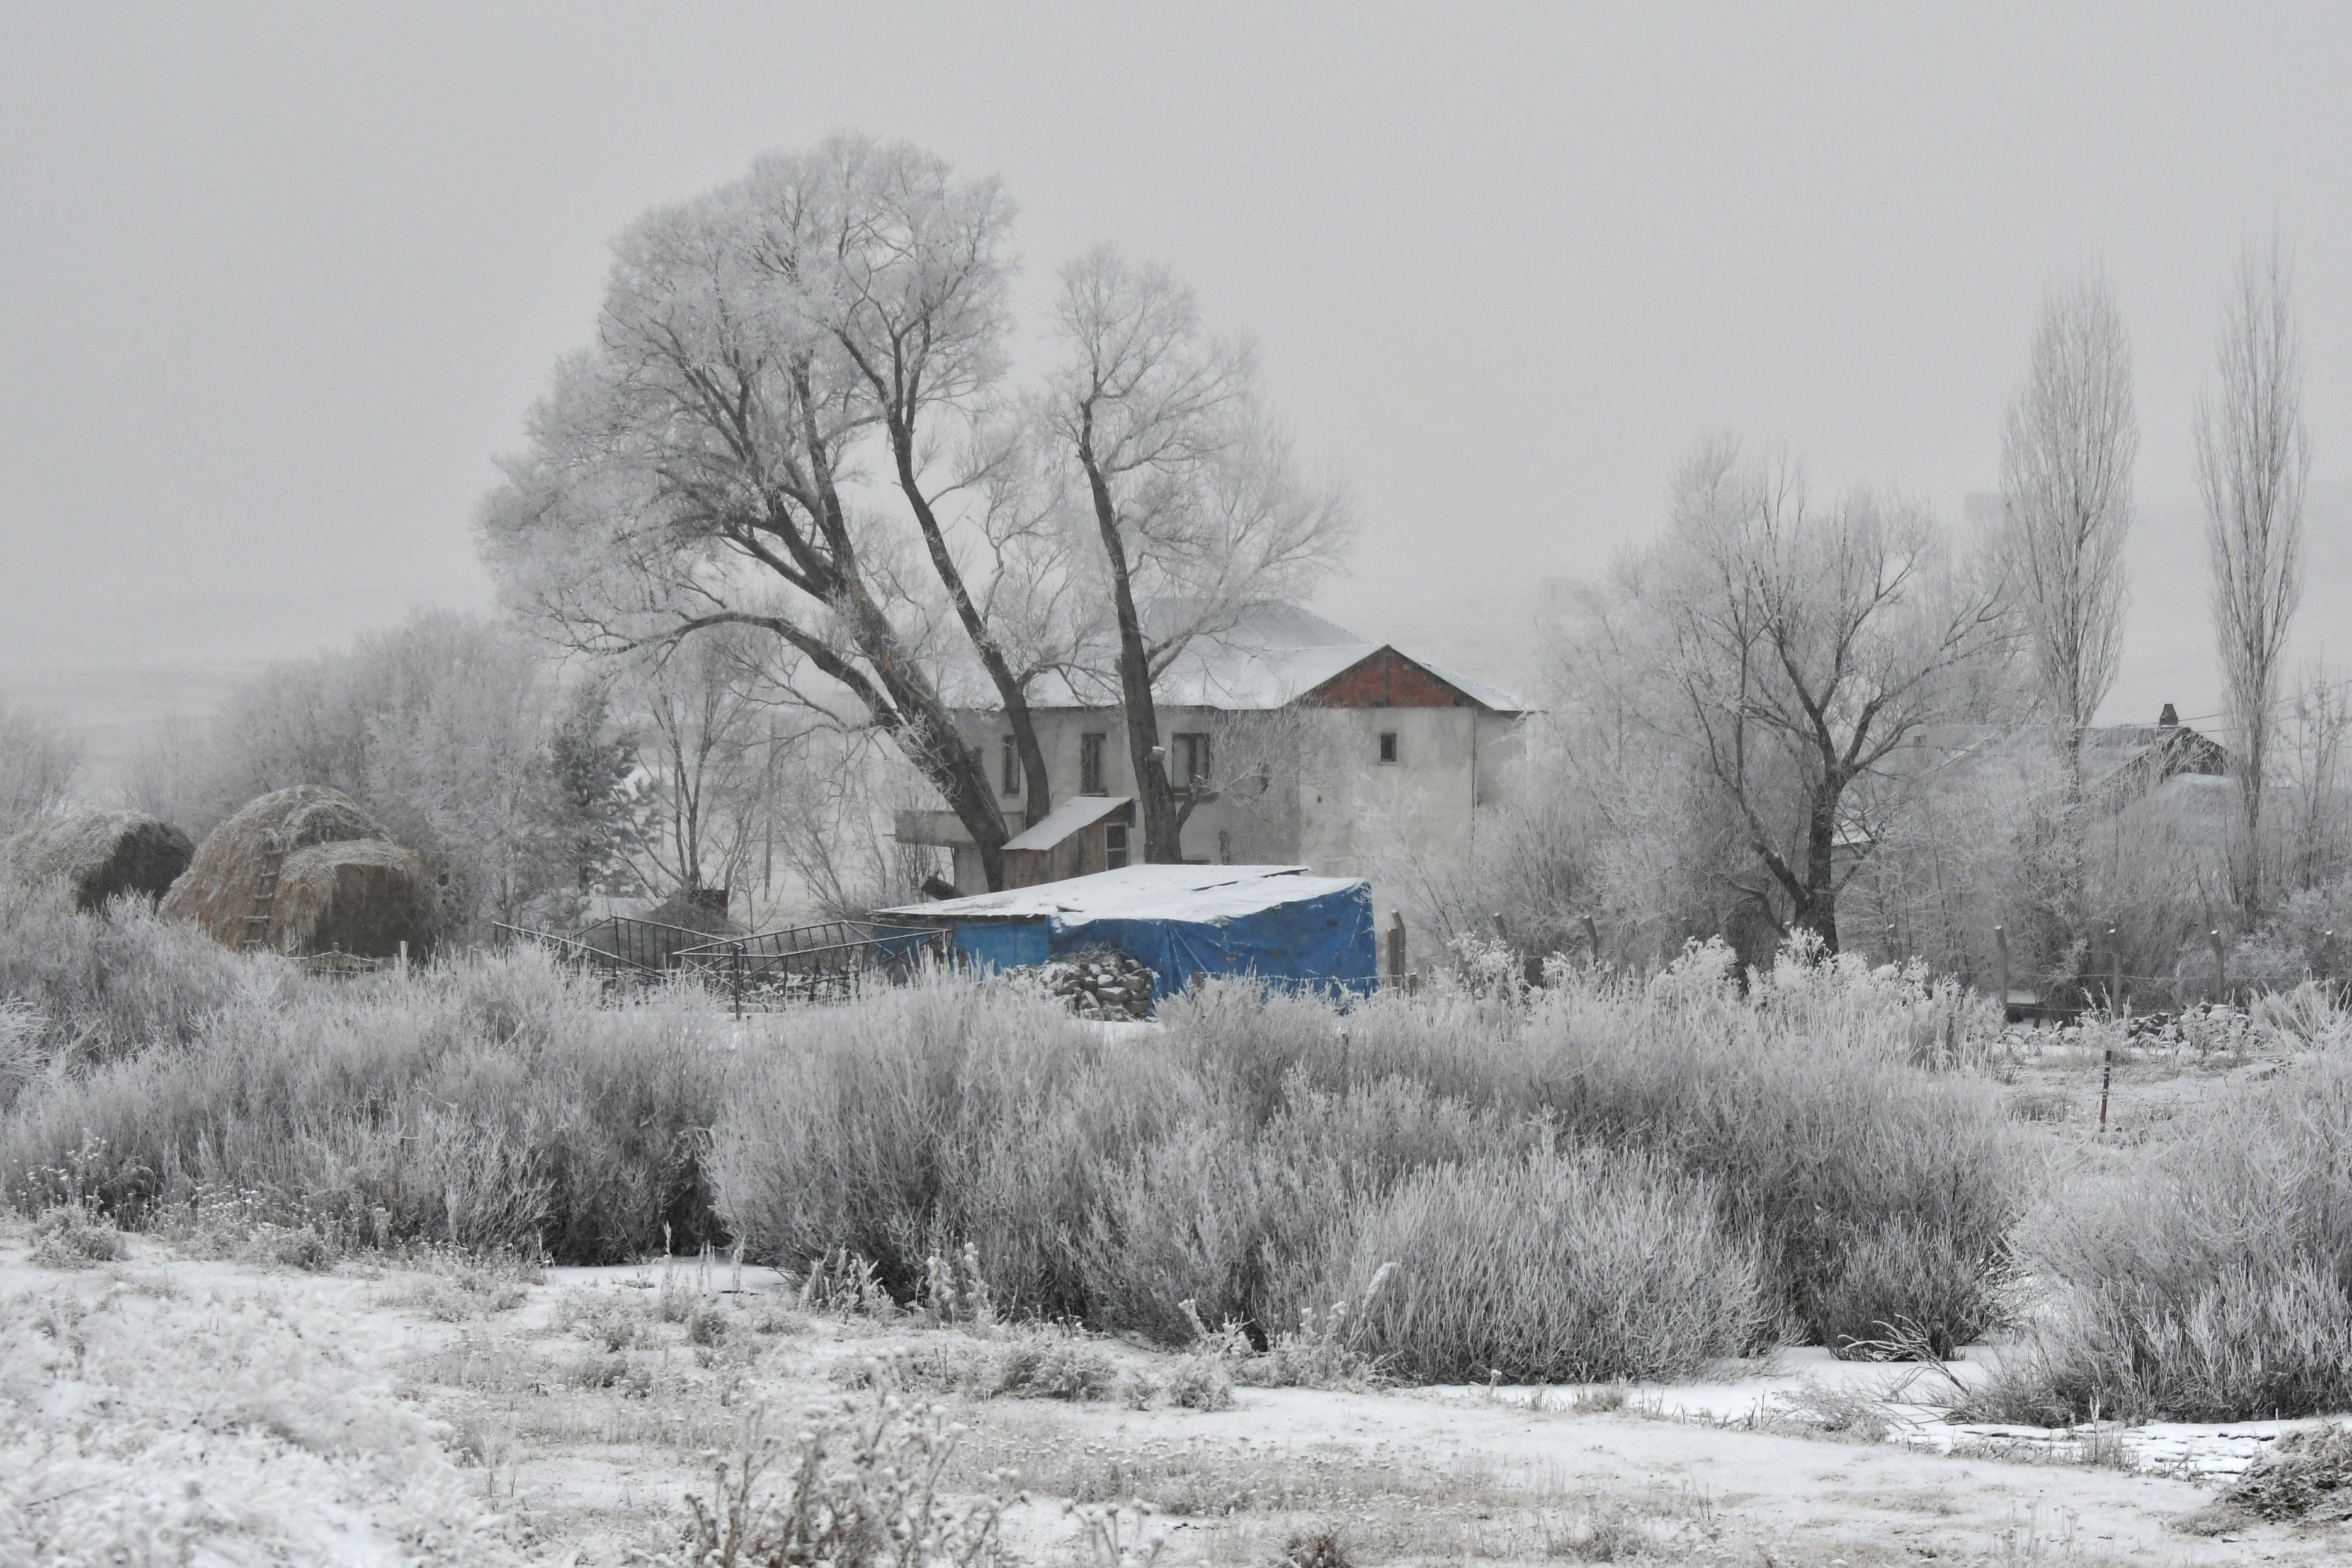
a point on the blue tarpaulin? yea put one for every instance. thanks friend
(1272, 923)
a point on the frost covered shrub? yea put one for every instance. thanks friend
(70, 1237)
(492, 1103)
(1575, 1267)
(1876, 1190)
(1030, 1362)
(1224, 1170)
(2217, 1286)
(104, 987)
(1228, 1219)
(939, 1115)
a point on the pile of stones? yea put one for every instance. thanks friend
(1101, 984)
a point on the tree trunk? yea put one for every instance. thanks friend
(1037, 799)
(1816, 907)
(1156, 800)
(2249, 791)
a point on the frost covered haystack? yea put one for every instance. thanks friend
(339, 883)
(98, 854)
(1101, 983)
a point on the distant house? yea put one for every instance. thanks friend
(1294, 742)
(2123, 764)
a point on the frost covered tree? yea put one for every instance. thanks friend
(1200, 509)
(2254, 454)
(443, 727)
(784, 427)
(41, 759)
(1804, 645)
(702, 741)
(2068, 442)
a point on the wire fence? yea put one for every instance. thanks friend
(2112, 989)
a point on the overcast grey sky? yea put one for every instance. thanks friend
(276, 283)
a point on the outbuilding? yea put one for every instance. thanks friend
(1272, 923)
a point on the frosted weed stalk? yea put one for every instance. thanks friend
(858, 1487)
(1320, 1353)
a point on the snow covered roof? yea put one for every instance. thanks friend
(1199, 893)
(1277, 654)
(1065, 819)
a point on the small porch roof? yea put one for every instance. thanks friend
(1070, 816)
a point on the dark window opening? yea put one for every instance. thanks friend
(1090, 764)
(1114, 845)
(1011, 767)
(1388, 746)
(1192, 762)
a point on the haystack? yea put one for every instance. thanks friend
(703, 911)
(342, 886)
(654, 939)
(98, 854)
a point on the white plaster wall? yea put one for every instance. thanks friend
(1335, 808)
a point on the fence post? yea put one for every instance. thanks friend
(2000, 940)
(404, 958)
(1592, 942)
(2327, 963)
(2220, 964)
(1396, 947)
(2115, 975)
(737, 953)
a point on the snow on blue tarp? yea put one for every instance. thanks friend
(1269, 923)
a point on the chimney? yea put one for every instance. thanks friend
(2168, 720)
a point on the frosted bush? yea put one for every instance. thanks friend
(1703, 972)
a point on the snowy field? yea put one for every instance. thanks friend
(173, 1409)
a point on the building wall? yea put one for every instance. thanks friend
(1242, 825)
(1364, 817)
(1331, 804)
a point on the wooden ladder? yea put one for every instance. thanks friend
(265, 894)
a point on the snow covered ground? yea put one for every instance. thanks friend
(169, 1409)
(1795, 1385)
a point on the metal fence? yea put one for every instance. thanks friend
(760, 972)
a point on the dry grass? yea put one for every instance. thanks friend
(2308, 1477)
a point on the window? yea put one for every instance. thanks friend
(1114, 845)
(1388, 746)
(1011, 767)
(1190, 769)
(1090, 762)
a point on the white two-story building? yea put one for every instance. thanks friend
(1291, 741)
